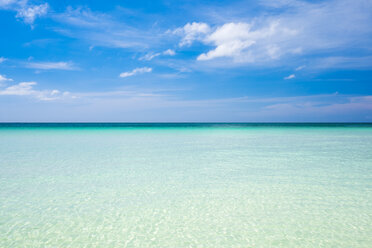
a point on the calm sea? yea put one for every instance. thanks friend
(185, 185)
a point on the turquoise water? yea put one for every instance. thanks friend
(185, 185)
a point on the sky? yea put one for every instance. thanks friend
(185, 61)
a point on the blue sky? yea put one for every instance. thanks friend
(140, 61)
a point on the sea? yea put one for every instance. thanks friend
(185, 185)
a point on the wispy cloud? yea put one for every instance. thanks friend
(191, 32)
(288, 29)
(84, 17)
(342, 62)
(241, 41)
(101, 29)
(135, 72)
(334, 107)
(2, 59)
(292, 76)
(9, 3)
(26, 89)
(169, 52)
(25, 11)
(52, 65)
(150, 105)
(299, 68)
(4, 78)
(29, 14)
(41, 42)
(234, 40)
(150, 56)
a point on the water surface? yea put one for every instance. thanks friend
(185, 185)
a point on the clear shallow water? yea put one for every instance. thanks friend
(185, 185)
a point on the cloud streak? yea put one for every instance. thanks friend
(292, 76)
(100, 29)
(52, 66)
(4, 78)
(135, 72)
(150, 105)
(27, 89)
(150, 56)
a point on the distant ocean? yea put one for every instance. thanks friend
(185, 185)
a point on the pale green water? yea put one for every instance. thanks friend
(186, 186)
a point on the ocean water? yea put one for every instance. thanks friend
(185, 185)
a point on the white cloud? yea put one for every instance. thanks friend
(51, 65)
(29, 14)
(292, 76)
(191, 32)
(150, 56)
(25, 11)
(21, 89)
(234, 40)
(285, 29)
(3, 78)
(229, 39)
(26, 89)
(169, 52)
(2, 59)
(300, 68)
(135, 71)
